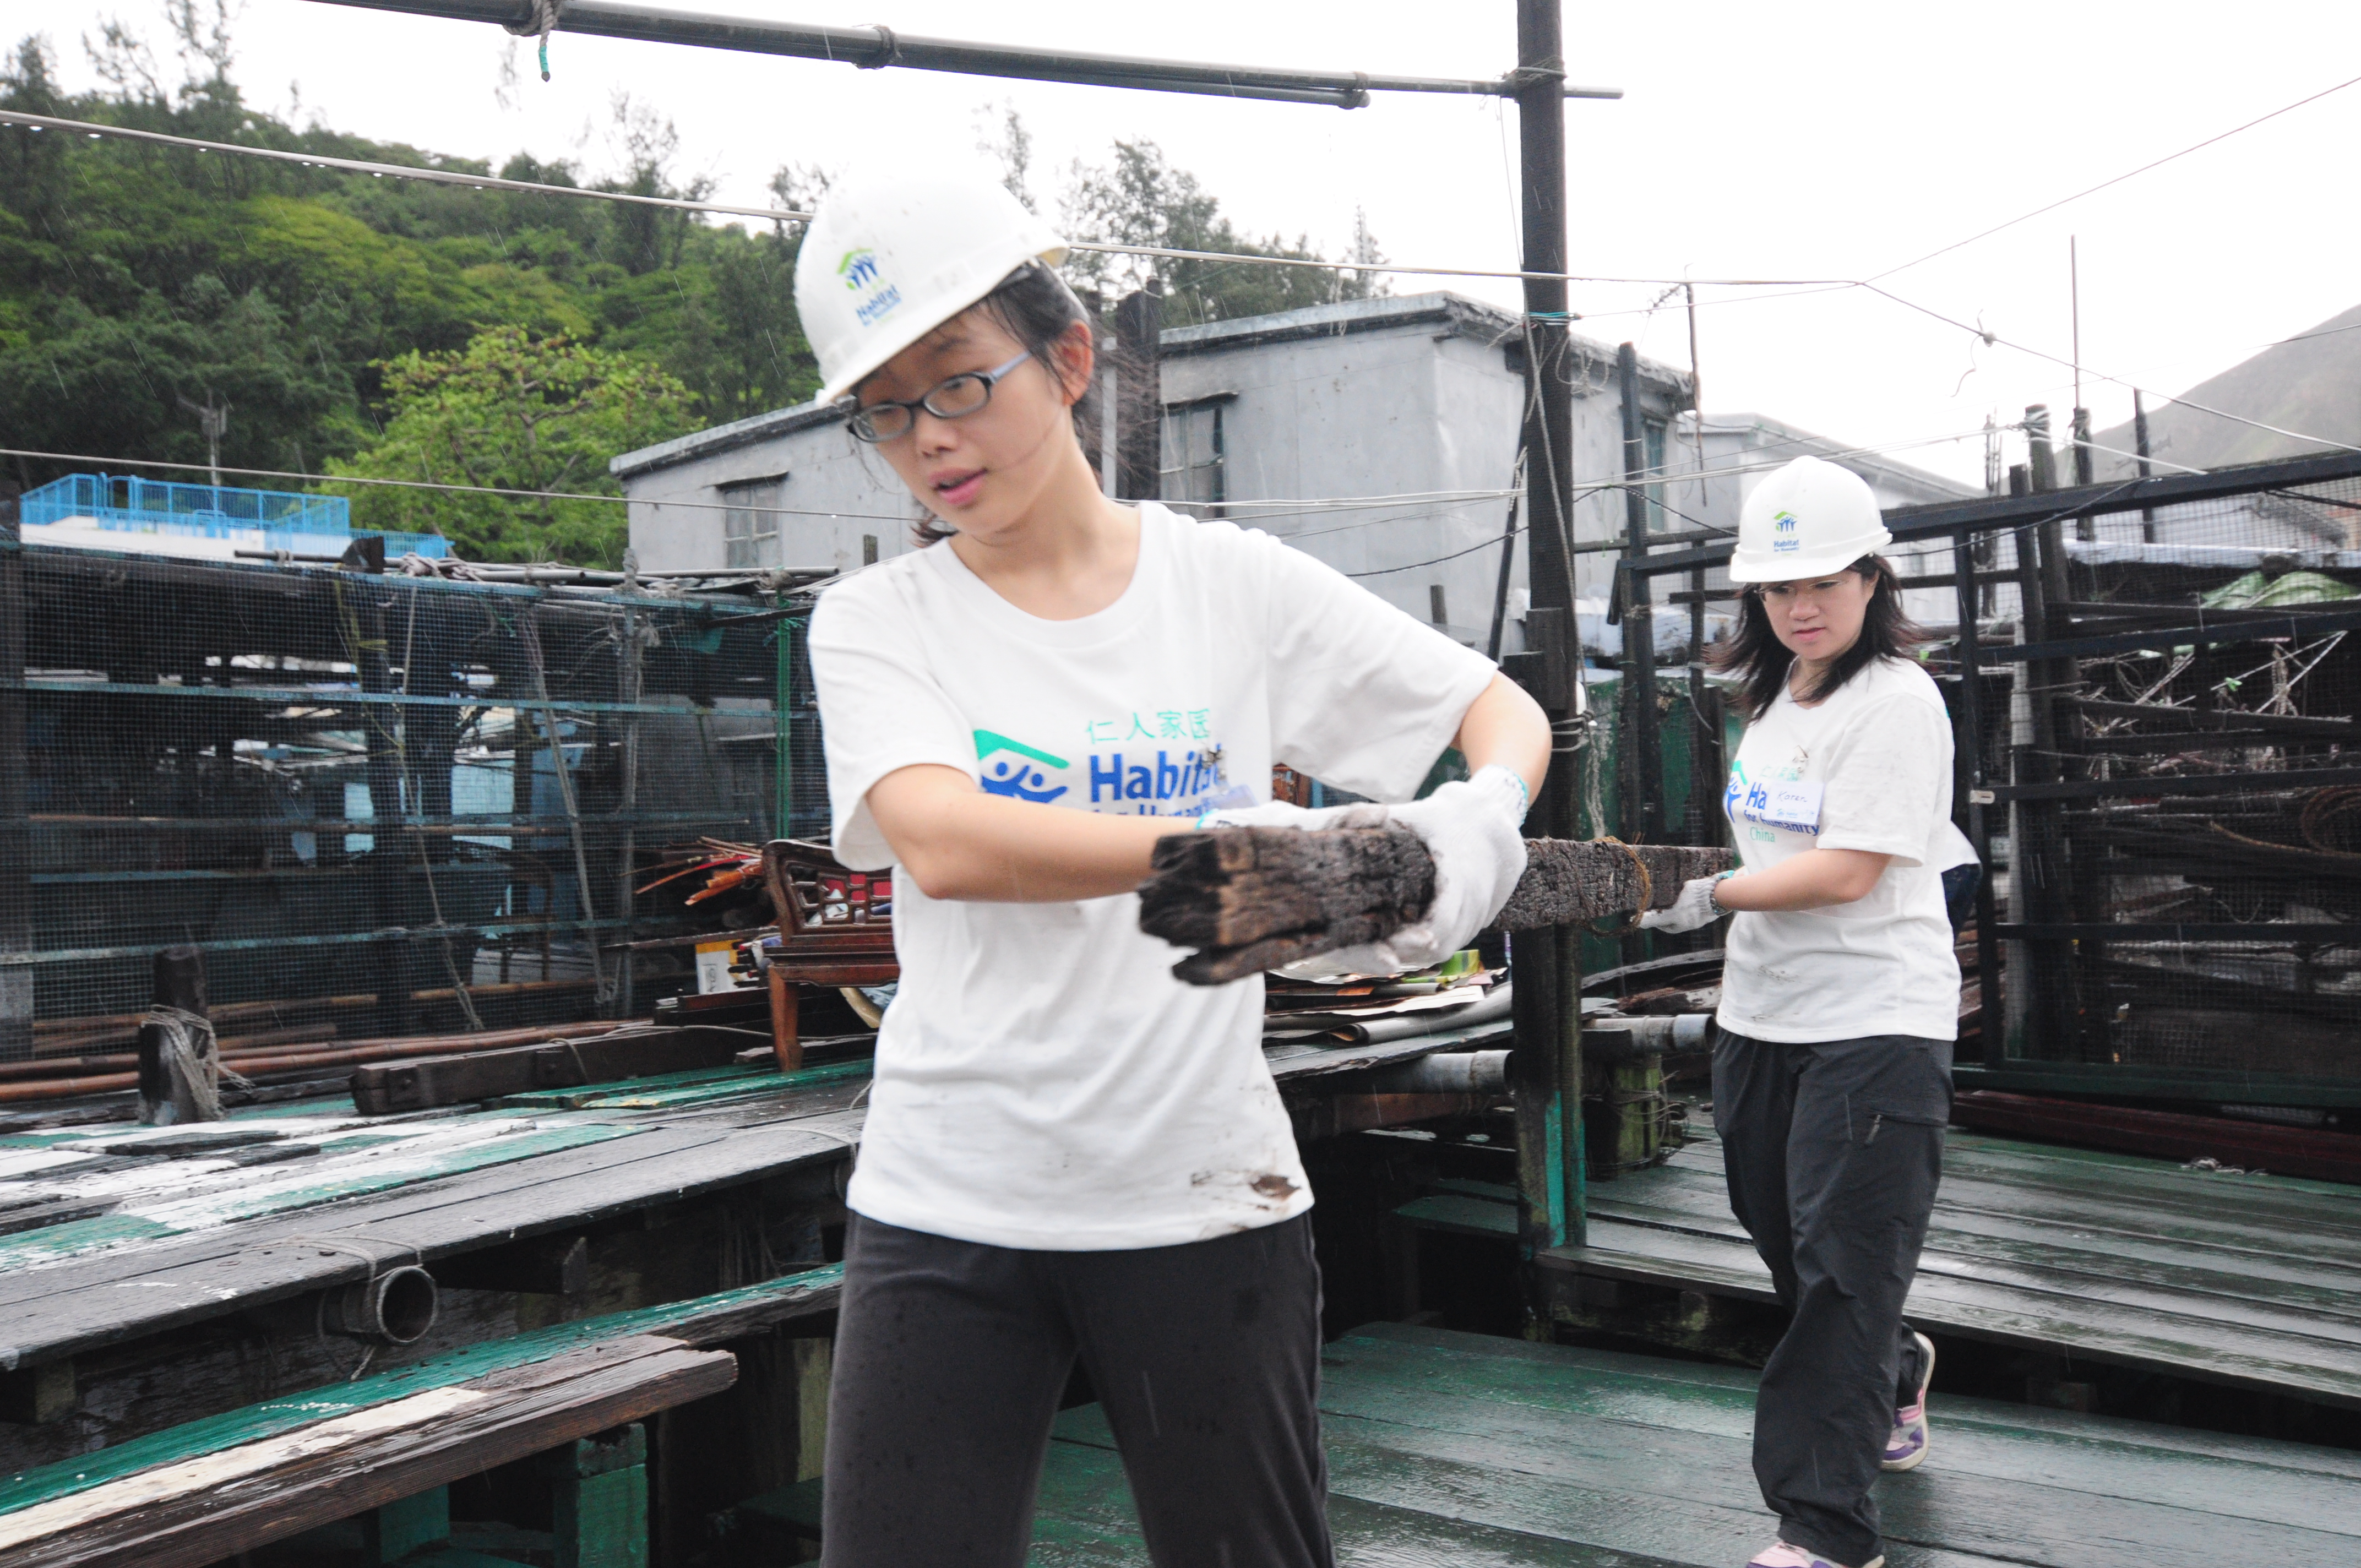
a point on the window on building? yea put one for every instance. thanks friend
(1192, 469)
(1652, 431)
(749, 525)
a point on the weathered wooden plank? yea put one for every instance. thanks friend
(387, 1088)
(674, 1090)
(2231, 1477)
(261, 1198)
(1083, 1493)
(2187, 1207)
(1657, 1520)
(84, 1303)
(2330, 1295)
(701, 1321)
(198, 1511)
(1256, 898)
(2191, 1347)
(1374, 1454)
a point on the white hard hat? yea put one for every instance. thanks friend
(1808, 520)
(895, 253)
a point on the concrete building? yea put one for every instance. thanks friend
(1379, 435)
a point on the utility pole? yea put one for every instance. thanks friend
(215, 423)
(2139, 445)
(1545, 1073)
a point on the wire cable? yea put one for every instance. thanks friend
(2104, 185)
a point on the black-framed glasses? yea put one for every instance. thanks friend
(956, 398)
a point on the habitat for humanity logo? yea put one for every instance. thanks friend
(1017, 777)
(859, 270)
(1782, 526)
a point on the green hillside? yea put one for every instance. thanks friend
(133, 277)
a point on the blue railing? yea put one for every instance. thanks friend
(278, 519)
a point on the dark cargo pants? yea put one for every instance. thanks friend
(1832, 1150)
(950, 1357)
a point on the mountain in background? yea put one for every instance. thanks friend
(2311, 383)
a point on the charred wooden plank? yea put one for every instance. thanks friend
(1255, 898)
(382, 1089)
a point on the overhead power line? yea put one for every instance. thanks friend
(2128, 174)
(790, 215)
(450, 177)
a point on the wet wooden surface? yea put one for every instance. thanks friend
(2249, 1280)
(1459, 1449)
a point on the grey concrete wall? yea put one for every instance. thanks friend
(838, 493)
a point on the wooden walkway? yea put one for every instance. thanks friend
(1478, 1453)
(2253, 1281)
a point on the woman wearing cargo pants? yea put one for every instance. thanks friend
(1832, 1075)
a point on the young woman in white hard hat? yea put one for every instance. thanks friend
(1839, 999)
(1069, 1155)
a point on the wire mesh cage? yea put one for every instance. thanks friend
(2174, 822)
(378, 804)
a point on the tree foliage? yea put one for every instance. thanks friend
(514, 412)
(354, 323)
(133, 276)
(1137, 197)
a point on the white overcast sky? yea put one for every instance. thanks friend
(1811, 140)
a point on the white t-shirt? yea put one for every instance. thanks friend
(1869, 768)
(1042, 1080)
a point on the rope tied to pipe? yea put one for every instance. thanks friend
(542, 21)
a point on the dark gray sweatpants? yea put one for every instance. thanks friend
(1833, 1150)
(950, 1357)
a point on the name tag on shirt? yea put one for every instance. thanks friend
(1794, 806)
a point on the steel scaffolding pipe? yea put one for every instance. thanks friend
(875, 47)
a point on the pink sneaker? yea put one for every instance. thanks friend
(1906, 1448)
(1779, 1554)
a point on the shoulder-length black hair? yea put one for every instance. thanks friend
(1762, 663)
(1034, 305)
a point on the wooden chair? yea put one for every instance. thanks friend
(836, 928)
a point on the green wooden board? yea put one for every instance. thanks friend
(1455, 1448)
(678, 1091)
(262, 1197)
(2252, 1281)
(290, 1411)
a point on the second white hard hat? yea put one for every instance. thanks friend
(1808, 520)
(896, 252)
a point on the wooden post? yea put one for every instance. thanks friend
(1545, 1073)
(1643, 758)
(631, 668)
(166, 1096)
(366, 623)
(16, 850)
(1968, 749)
(598, 1499)
(786, 1037)
(1139, 408)
(2139, 445)
(393, 1531)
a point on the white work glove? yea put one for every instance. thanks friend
(1693, 908)
(1474, 830)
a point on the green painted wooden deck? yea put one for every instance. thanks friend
(1458, 1449)
(2253, 1281)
